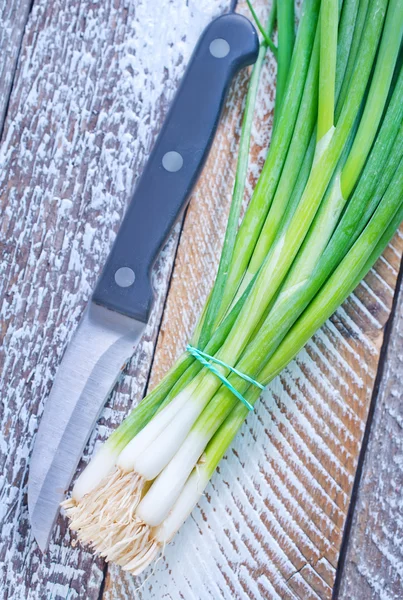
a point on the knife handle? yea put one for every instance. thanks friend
(227, 45)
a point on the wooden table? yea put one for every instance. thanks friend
(84, 86)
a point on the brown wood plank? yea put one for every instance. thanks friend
(373, 567)
(271, 523)
(13, 18)
(92, 86)
(81, 120)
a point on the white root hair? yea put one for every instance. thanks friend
(105, 520)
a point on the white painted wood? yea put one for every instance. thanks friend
(13, 17)
(374, 562)
(93, 85)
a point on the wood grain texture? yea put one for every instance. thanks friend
(13, 17)
(271, 522)
(374, 560)
(92, 86)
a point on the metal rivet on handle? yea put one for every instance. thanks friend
(172, 161)
(219, 48)
(124, 277)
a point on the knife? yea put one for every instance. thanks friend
(118, 311)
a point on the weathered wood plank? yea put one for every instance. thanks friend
(78, 130)
(92, 86)
(13, 18)
(271, 522)
(373, 566)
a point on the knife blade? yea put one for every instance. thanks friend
(116, 316)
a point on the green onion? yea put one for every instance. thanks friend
(345, 36)
(303, 132)
(209, 318)
(266, 33)
(327, 202)
(343, 280)
(328, 59)
(373, 242)
(285, 20)
(266, 186)
(342, 84)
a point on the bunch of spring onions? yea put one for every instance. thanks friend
(328, 201)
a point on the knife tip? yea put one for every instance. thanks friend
(40, 536)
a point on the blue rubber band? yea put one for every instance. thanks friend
(206, 360)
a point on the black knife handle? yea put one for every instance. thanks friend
(228, 44)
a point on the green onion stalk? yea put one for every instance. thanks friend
(328, 200)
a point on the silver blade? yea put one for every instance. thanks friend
(104, 340)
